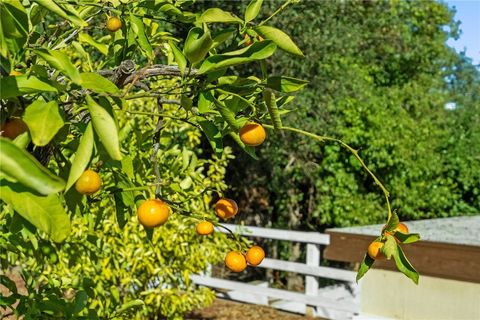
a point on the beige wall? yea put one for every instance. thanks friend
(388, 294)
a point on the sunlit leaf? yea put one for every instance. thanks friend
(282, 40)
(24, 168)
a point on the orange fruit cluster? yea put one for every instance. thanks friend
(237, 262)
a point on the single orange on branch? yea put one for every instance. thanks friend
(153, 213)
(235, 261)
(114, 24)
(374, 250)
(253, 134)
(226, 208)
(204, 228)
(255, 255)
(88, 183)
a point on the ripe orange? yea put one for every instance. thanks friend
(226, 208)
(13, 128)
(204, 228)
(374, 250)
(252, 134)
(153, 213)
(235, 261)
(255, 255)
(114, 24)
(88, 183)
(402, 227)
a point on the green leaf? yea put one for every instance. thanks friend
(269, 98)
(249, 150)
(257, 51)
(389, 247)
(366, 264)
(205, 102)
(60, 61)
(138, 29)
(129, 305)
(280, 38)
(97, 83)
(179, 57)
(252, 10)
(407, 238)
(227, 114)
(44, 120)
(55, 8)
(105, 127)
(86, 38)
(285, 84)
(82, 157)
(44, 212)
(214, 135)
(197, 44)
(404, 265)
(218, 15)
(20, 85)
(23, 167)
(392, 222)
(13, 26)
(80, 302)
(222, 36)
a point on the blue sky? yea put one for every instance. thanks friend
(468, 12)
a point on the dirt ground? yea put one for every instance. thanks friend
(227, 310)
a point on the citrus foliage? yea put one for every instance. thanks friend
(116, 104)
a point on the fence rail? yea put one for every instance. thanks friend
(333, 303)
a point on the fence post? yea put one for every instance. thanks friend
(311, 282)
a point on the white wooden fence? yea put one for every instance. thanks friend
(333, 302)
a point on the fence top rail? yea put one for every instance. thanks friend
(278, 234)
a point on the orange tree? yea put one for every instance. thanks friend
(107, 104)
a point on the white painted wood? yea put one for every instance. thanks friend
(248, 297)
(271, 292)
(317, 271)
(311, 282)
(278, 234)
(313, 260)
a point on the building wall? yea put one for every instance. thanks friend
(391, 295)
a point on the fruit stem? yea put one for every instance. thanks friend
(351, 150)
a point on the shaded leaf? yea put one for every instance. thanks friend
(404, 265)
(285, 84)
(365, 265)
(214, 135)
